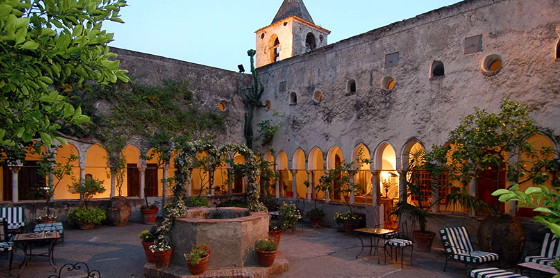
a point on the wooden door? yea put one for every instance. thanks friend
(151, 180)
(133, 180)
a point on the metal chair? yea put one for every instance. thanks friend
(6, 243)
(458, 247)
(78, 267)
(550, 249)
(398, 243)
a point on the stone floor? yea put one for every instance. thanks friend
(323, 252)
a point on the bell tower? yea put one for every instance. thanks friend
(291, 33)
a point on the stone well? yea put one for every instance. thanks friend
(230, 233)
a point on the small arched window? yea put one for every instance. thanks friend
(293, 98)
(351, 86)
(317, 97)
(276, 50)
(310, 43)
(558, 50)
(438, 69)
(389, 83)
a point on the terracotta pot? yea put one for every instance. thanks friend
(266, 258)
(118, 211)
(275, 235)
(149, 255)
(149, 215)
(45, 220)
(200, 267)
(316, 221)
(86, 226)
(349, 228)
(504, 235)
(423, 240)
(162, 258)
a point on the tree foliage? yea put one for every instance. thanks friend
(48, 49)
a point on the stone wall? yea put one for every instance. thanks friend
(211, 85)
(422, 107)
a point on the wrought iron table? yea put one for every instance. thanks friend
(26, 242)
(373, 233)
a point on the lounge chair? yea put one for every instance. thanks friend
(458, 247)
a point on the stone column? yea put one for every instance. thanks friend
(473, 188)
(310, 182)
(229, 173)
(327, 192)
(113, 181)
(165, 182)
(402, 185)
(142, 170)
(15, 182)
(294, 184)
(277, 185)
(375, 193)
(351, 179)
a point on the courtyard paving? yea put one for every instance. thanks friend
(323, 252)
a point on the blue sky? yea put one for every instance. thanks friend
(219, 33)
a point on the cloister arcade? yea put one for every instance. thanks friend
(378, 172)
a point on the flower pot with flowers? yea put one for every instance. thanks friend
(148, 237)
(162, 252)
(348, 220)
(266, 249)
(274, 231)
(198, 258)
(87, 218)
(289, 215)
(149, 212)
(316, 215)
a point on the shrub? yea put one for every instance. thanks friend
(197, 201)
(87, 216)
(266, 244)
(198, 252)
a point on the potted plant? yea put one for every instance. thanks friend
(119, 209)
(348, 220)
(198, 258)
(316, 215)
(288, 215)
(274, 231)
(84, 217)
(147, 238)
(266, 251)
(149, 212)
(162, 252)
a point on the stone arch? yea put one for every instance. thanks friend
(335, 158)
(298, 165)
(316, 164)
(97, 165)
(310, 42)
(63, 153)
(274, 48)
(363, 175)
(385, 161)
(284, 174)
(411, 146)
(269, 185)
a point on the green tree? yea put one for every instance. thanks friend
(48, 49)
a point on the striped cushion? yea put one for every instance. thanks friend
(456, 240)
(476, 257)
(539, 260)
(6, 246)
(493, 272)
(551, 246)
(14, 216)
(399, 242)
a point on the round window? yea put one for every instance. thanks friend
(317, 97)
(389, 83)
(492, 64)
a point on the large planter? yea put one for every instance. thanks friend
(266, 258)
(118, 211)
(86, 226)
(316, 221)
(423, 240)
(44, 220)
(162, 258)
(503, 235)
(149, 215)
(349, 227)
(149, 255)
(275, 235)
(200, 267)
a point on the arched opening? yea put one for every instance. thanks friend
(284, 175)
(310, 43)
(97, 167)
(335, 159)
(63, 153)
(317, 97)
(152, 174)
(222, 106)
(558, 50)
(293, 98)
(316, 167)
(490, 180)
(267, 183)
(388, 83)
(238, 183)
(438, 69)
(132, 175)
(363, 195)
(298, 164)
(351, 86)
(274, 49)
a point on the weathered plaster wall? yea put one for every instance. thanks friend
(211, 85)
(523, 33)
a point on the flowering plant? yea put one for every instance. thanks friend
(148, 235)
(160, 246)
(197, 252)
(153, 205)
(340, 218)
(289, 216)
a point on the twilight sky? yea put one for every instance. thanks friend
(219, 33)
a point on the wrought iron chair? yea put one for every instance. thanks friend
(78, 267)
(550, 249)
(399, 243)
(6, 244)
(14, 217)
(458, 247)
